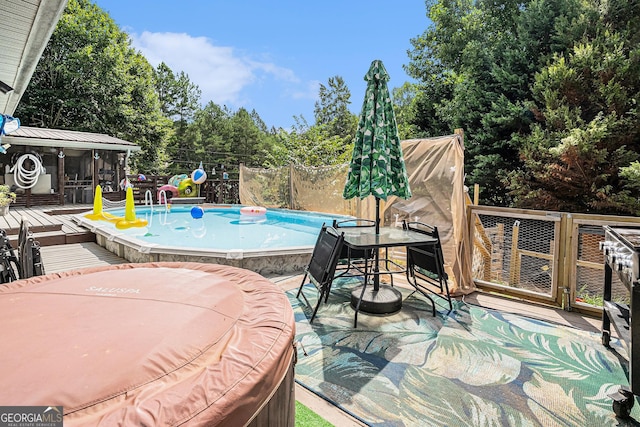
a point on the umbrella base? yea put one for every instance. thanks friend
(386, 300)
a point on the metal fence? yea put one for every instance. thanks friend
(550, 257)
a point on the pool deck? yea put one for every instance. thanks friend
(73, 253)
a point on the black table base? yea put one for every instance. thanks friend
(385, 300)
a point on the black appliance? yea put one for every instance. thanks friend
(621, 250)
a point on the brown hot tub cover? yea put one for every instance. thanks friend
(145, 344)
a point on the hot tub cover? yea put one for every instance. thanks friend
(145, 344)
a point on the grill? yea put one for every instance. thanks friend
(621, 248)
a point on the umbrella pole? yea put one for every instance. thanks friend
(376, 266)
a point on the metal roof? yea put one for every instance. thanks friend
(43, 137)
(25, 29)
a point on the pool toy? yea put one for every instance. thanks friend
(185, 185)
(124, 183)
(97, 213)
(129, 219)
(253, 211)
(199, 176)
(197, 212)
(176, 179)
(187, 188)
(167, 188)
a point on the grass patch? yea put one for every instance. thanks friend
(305, 417)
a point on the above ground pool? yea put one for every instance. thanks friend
(262, 240)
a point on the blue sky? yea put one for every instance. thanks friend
(272, 55)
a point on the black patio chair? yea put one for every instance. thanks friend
(29, 252)
(322, 266)
(353, 258)
(425, 265)
(10, 269)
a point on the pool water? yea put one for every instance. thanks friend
(225, 228)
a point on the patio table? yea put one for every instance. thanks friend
(379, 299)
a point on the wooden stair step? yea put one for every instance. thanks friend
(35, 229)
(52, 238)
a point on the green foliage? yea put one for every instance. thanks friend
(305, 417)
(6, 195)
(89, 78)
(179, 97)
(546, 92)
(310, 146)
(581, 156)
(332, 109)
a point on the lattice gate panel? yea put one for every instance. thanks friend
(516, 253)
(589, 275)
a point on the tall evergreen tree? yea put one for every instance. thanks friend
(475, 66)
(180, 100)
(332, 109)
(588, 123)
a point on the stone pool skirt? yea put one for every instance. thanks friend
(149, 344)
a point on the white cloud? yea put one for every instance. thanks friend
(219, 71)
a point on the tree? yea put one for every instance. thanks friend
(404, 105)
(587, 133)
(207, 139)
(89, 78)
(249, 144)
(179, 97)
(180, 101)
(332, 109)
(310, 146)
(475, 66)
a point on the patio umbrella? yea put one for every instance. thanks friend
(377, 168)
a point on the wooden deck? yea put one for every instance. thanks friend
(76, 256)
(51, 225)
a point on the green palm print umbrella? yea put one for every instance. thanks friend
(377, 166)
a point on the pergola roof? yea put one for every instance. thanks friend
(25, 29)
(42, 137)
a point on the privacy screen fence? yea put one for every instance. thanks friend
(436, 177)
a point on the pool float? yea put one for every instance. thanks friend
(167, 188)
(187, 188)
(97, 213)
(176, 179)
(130, 219)
(253, 211)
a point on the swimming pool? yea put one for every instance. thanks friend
(279, 242)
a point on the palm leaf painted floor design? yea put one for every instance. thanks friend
(471, 367)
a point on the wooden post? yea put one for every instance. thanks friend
(499, 256)
(94, 173)
(122, 174)
(476, 194)
(61, 176)
(514, 273)
(291, 186)
(460, 132)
